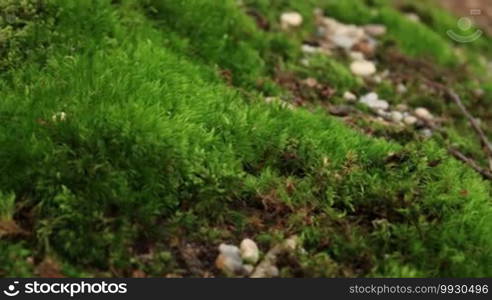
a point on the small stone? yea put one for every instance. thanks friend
(402, 108)
(377, 79)
(311, 82)
(385, 74)
(352, 31)
(413, 17)
(410, 120)
(229, 250)
(396, 116)
(320, 31)
(309, 49)
(291, 243)
(375, 30)
(230, 265)
(249, 251)
(267, 267)
(382, 113)
(423, 114)
(272, 271)
(479, 93)
(401, 88)
(248, 269)
(229, 260)
(343, 41)
(349, 96)
(291, 19)
(265, 270)
(373, 102)
(426, 133)
(356, 56)
(363, 68)
(371, 97)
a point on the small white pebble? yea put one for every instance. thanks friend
(272, 271)
(248, 269)
(356, 55)
(383, 104)
(363, 68)
(413, 17)
(382, 113)
(377, 79)
(229, 249)
(423, 114)
(385, 74)
(344, 41)
(291, 19)
(401, 88)
(373, 102)
(375, 30)
(479, 93)
(230, 265)
(311, 82)
(369, 97)
(396, 116)
(291, 243)
(229, 260)
(309, 49)
(410, 120)
(427, 133)
(349, 96)
(249, 251)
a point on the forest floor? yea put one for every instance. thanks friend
(254, 138)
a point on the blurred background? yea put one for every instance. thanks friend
(463, 8)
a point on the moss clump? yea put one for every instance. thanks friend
(330, 71)
(155, 150)
(23, 28)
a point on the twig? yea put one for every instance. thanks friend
(474, 123)
(485, 173)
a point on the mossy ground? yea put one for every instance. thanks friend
(133, 129)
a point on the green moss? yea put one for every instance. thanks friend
(14, 259)
(155, 149)
(23, 28)
(330, 71)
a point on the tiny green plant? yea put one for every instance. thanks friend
(7, 206)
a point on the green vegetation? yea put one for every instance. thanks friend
(129, 128)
